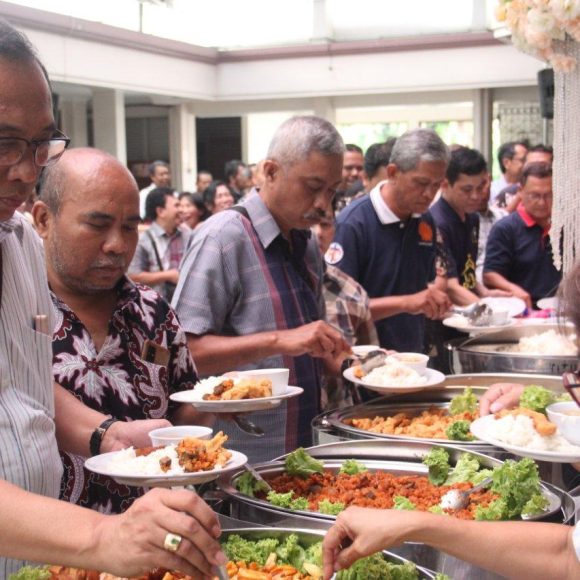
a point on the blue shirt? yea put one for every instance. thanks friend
(520, 250)
(459, 241)
(388, 257)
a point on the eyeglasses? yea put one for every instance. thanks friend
(46, 151)
(572, 385)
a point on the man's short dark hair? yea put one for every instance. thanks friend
(507, 151)
(539, 170)
(541, 148)
(378, 155)
(153, 166)
(156, 198)
(465, 161)
(231, 168)
(15, 47)
(353, 148)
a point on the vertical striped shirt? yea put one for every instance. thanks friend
(239, 277)
(28, 452)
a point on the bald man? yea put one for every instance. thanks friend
(118, 346)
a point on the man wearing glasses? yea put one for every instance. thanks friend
(518, 256)
(171, 529)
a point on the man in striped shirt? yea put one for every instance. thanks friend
(249, 293)
(34, 413)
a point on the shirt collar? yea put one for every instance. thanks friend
(261, 218)
(529, 221)
(384, 212)
(7, 227)
(159, 232)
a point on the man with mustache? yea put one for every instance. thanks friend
(249, 292)
(117, 345)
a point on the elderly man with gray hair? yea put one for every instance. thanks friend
(388, 244)
(249, 293)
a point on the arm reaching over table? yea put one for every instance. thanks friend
(548, 552)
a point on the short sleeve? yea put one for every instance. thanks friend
(207, 289)
(576, 540)
(140, 261)
(499, 250)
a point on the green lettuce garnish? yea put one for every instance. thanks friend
(495, 511)
(459, 431)
(249, 485)
(300, 463)
(466, 402)
(237, 548)
(31, 573)
(375, 567)
(465, 469)
(330, 508)
(286, 500)
(352, 467)
(537, 398)
(291, 552)
(403, 503)
(437, 509)
(437, 460)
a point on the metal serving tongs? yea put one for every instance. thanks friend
(369, 361)
(457, 500)
(478, 314)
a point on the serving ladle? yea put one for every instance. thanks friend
(457, 500)
(245, 425)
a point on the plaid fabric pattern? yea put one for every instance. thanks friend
(175, 250)
(347, 309)
(241, 278)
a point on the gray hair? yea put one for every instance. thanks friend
(299, 136)
(418, 145)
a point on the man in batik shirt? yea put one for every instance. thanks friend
(117, 345)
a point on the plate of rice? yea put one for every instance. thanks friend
(549, 343)
(394, 377)
(190, 462)
(519, 435)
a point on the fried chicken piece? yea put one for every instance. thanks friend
(201, 455)
(541, 423)
(165, 464)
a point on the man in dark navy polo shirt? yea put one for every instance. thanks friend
(456, 217)
(519, 252)
(388, 244)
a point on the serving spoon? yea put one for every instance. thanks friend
(247, 426)
(457, 500)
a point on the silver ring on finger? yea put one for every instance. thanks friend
(172, 542)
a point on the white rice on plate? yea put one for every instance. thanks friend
(125, 462)
(394, 374)
(519, 431)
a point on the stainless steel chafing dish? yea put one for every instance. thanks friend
(394, 456)
(307, 538)
(331, 426)
(487, 353)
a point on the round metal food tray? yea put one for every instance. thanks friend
(400, 457)
(307, 538)
(486, 353)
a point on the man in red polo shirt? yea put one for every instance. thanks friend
(519, 251)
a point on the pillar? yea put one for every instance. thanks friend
(482, 122)
(109, 122)
(182, 147)
(74, 121)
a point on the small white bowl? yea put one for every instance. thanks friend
(568, 424)
(173, 435)
(279, 378)
(414, 360)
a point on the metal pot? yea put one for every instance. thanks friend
(401, 456)
(331, 427)
(486, 353)
(307, 538)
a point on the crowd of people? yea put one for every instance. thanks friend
(115, 298)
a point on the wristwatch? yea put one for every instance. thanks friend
(98, 434)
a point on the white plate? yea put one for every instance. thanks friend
(240, 406)
(460, 322)
(100, 464)
(548, 303)
(434, 379)
(514, 306)
(480, 428)
(362, 349)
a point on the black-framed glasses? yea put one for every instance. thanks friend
(46, 151)
(571, 382)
